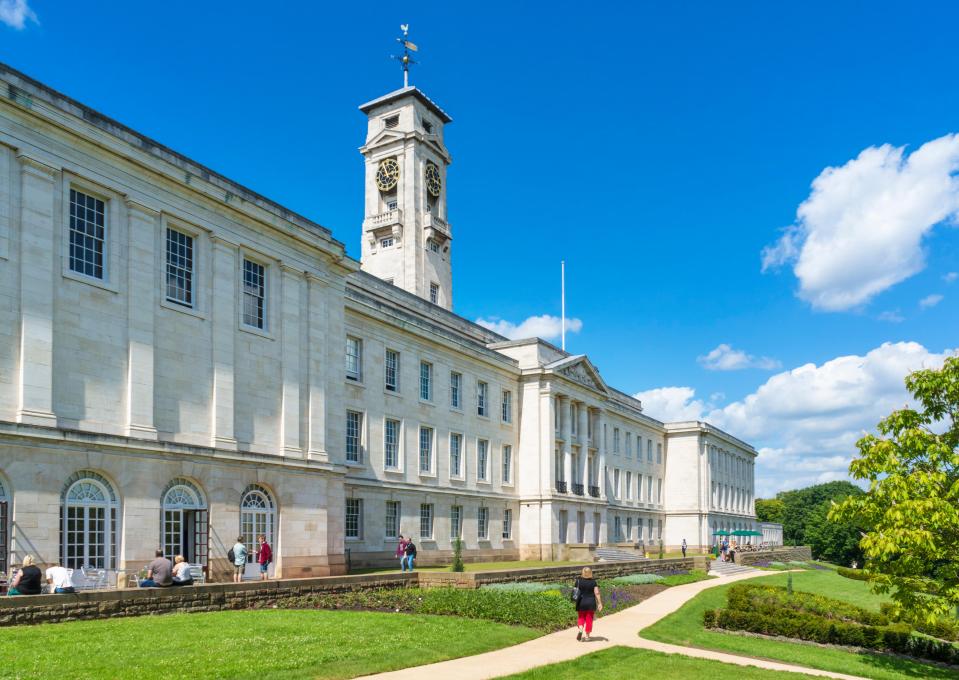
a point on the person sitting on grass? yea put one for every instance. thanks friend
(59, 579)
(27, 581)
(159, 573)
(410, 555)
(181, 572)
(587, 604)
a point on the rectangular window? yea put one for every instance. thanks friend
(482, 460)
(649, 528)
(507, 464)
(426, 521)
(659, 454)
(456, 455)
(426, 381)
(434, 248)
(254, 294)
(507, 406)
(618, 528)
(659, 491)
(507, 524)
(649, 451)
(388, 241)
(392, 519)
(426, 449)
(456, 390)
(629, 445)
(659, 529)
(354, 358)
(616, 484)
(482, 398)
(87, 234)
(392, 370)
(563, 526)
(179, 268)
(597, 524)
(629, 485)
(354, 424)
(354, 518)
(639, 487)
(391, 444)
(456, 521)
(649, 489)
(629, 528)
(482, 524)
(615, 440)
(434, 293)
(580, 527)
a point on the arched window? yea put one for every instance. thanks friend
(257, 516)
(185, 522)
(4, 534)
(88, 527)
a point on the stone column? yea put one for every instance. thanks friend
(584, 446)
(141, 303)
(38, 257)
(224, 322)
(290, 309)
(317, 343)
(601, 463)
(566, 428)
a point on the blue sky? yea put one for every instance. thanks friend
(659, 149)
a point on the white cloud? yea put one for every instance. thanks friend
(893, 316)
(860, 230)
(930, 301)
(545, 326)
(805, 422)
(950, 277)
(16, 13)
(725, 358)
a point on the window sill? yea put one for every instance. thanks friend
(394, 471)
(90, 281)
(484, 481)
(355, 383)
(457, 409)
(263, 333)
(392, 393)
(427, 474)
(358, 465)
(173, 306)
(461, 480)
(427, 402)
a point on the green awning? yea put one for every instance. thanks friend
(741, 532)
(754, 533)
(721, 532)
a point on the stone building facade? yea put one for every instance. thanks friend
(183, 360)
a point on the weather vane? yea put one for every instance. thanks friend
(406, 60)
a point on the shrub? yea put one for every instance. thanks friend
(943, 628)
(774, 564)
(855, 574)
(523, 587)
(773, 599)
(637, 579)
(458, 556)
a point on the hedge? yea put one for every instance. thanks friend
(945, 628)
(771, 599)
(804, 626)
(855, 574)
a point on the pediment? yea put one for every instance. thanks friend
(579, 369)
(385, 137)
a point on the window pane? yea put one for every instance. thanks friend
(254, 294)
(179, 268)
(391, 439)
(87, 229)
(353, 422)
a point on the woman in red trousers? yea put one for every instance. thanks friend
(588, 604)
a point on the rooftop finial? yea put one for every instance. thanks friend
(406, 60)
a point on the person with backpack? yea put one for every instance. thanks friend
(263, 557)
(588, 602)
(410, 552)
(237, 556)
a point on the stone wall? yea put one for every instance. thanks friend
(799, 553)
(105, 604)
(558, 574)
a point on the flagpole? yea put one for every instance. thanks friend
(562, 277)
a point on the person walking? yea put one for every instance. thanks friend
(401, 552)
(410, 552)
(27, 581)
(263, 557)
(588, 603)
(239, 559)
(683, 546)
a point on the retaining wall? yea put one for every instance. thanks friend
(799, 553)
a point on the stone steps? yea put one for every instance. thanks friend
(728, 568)
(616, 555)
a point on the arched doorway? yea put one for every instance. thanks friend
(185, 522)
(88, 528)
(257, 516)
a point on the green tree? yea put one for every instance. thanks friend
(457, 555)
(770, 510)
(833, 541)
(911, 510)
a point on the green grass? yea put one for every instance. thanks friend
(623, 663)
(683, 579)
(246, 644)
(477, 566)
(685, 627)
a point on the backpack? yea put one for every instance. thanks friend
(230, 555)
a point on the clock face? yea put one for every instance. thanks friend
(388, 174)
(433, 181)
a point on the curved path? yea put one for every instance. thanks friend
(620, 628)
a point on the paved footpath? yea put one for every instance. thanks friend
(620, 628)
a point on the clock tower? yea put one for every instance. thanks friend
(406, 235)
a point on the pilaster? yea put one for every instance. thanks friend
(566, 428)
(291, 307)
(601, 448)
(318, 352)
(37, 258)
(141, 305)
(584, 447)
(223, 328)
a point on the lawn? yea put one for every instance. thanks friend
(246, 644)
(623, 663)
(685, 627)
(478, 566)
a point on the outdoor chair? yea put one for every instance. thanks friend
(196, 573)
(93, 579)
